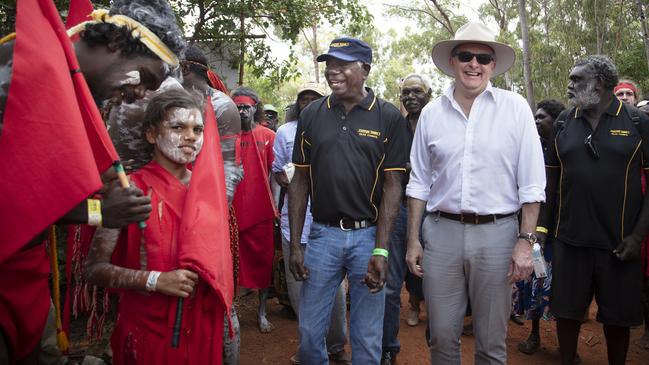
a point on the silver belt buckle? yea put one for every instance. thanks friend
(340, 223)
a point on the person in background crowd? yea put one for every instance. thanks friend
(197, 76)
(627, 92)
(271, 117)
(643, 342)
(534, 294)
(253, 201)
(415, 94)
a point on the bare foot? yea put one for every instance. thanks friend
(643, 342)
(264, 325)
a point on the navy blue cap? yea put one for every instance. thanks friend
(348, 49)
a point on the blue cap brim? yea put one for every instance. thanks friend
(338, 55)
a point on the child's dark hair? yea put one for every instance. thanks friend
(158, 107)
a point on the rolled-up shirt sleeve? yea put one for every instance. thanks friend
(421, 174)
(531, 166)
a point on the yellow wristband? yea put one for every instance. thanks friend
(542, 230)
(380, 252)
(94, 212)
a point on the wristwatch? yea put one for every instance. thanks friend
(529, 237)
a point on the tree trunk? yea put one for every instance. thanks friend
(314, 50)
(645, 38)
(527, 68)
(242, 44)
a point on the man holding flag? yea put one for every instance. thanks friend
(50, 129)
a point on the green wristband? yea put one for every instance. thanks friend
(380, 252)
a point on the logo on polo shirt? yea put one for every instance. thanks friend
(339, 44)
(620, 132)
(369, 133)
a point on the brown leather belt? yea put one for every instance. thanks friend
(472, 218)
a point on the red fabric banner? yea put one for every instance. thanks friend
(102, 146)
(78, 12)
(204, 238)
(47, 165)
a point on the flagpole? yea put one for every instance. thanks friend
(123, 181)
(175, 334)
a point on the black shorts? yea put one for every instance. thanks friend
(578, 273)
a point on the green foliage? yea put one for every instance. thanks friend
(280, 94)
(8, 13)
(562, 31)
(220, 23)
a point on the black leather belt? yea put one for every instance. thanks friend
(472, 218)
(347, 224)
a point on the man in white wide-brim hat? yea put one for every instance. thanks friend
(476, 160)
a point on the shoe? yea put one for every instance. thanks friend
(341, 357)
(389, 358)
(295, 359)
(529, 346)
(516, 319)
(413, 318)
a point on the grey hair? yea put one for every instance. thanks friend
(421, 78)
(604, 68)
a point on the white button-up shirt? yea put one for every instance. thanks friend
(488, 163)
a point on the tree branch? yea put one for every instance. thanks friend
(447, 24)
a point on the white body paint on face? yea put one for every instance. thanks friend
(132, 78)
(180, 136)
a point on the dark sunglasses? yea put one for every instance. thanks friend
(590, 147)
(465, 56)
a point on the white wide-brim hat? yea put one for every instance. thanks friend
(473, 32)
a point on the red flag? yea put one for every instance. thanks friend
(102, 146)
(78, 12)
(204, 238)
(47, 166)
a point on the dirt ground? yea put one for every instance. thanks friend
(277, 347)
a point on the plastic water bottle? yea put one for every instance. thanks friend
(540, 266)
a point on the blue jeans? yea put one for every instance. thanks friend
(396, 274)
(337, 336)
(330, 254)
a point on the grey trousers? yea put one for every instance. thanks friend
(337, 335)
(463, 261)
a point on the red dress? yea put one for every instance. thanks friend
(145, 321)
(255, 209)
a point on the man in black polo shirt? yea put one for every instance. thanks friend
(350, 153)
(600, 149)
